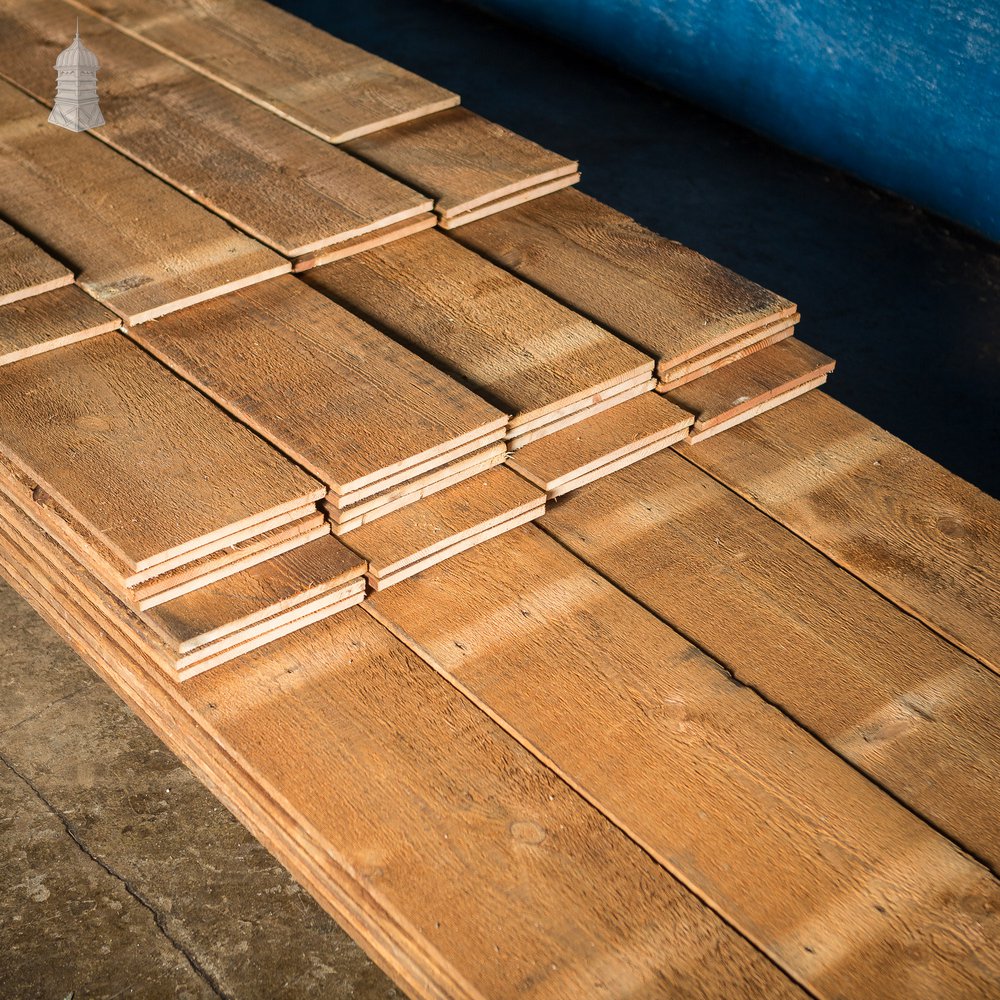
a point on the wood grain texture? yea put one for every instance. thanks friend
(391, 799)
(901, 704)
(461, 159)
(750, 382)
(507, 341)
(509, 201)
(289, 189)
(396, 231)
(260, 592)
(25, 268)
(447, 517)
(151, 467)
(44, 322)
(341, 398)
(845, 889)
(599, 440)
(661, 296)
(924, 538)
(57, 186)
(326, 86)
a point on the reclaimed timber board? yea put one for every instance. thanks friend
(289, 189)
(342, 399)
(840, 885)
(150, 466)
(462, 160)
(600, 440)
(252, 595)
(920, 536)
(897, 701)
(324, 85)
(668, 300)
(751, 382)
(443, 519)
(26, 269)
(465, 867)
(57, 186)
(521, 350)
(44, 322)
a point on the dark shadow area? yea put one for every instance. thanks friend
(907, 303)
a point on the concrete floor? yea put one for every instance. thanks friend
(119, 874)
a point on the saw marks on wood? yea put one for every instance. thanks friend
(470, 166)
(289, 189)
(326, 86)
(751, 386)
(883, 691)
(526, 353)
(344, 400)
(462, 864)
(841, 886)
(436, 528)
(93, 208)
(25, 268)
(150, 466)
(55, 319)
(666, 299)
(922, 537)
(601, 444)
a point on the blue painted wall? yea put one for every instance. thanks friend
(903, 93)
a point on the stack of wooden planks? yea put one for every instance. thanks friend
(150, 489)
(26, 269)
(374, 422)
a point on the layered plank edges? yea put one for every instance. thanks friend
(160, 495)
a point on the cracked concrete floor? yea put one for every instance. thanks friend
(120, 875)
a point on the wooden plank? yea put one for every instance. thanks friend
(289, 189)
(840, 885)
(245, 598)
(339, 397)
(149, 465)
(509, 201)
(326, 86)
(600, 440)
(897, 701)
(747, 384)
(461, 159)
(369, 241)
(391, 798)
(444, 519)
(44, 322)
(55, 185)
(924, 538)
(661, 296)
(25, 268)
(507, 341)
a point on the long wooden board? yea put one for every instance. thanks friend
(44, 322)
(323, 84)
(600, 440)
(149, 465)
(661, 296)
(925, 539)
(897, 701)
(135, 244)
(845, 889)
(289, 189)
(749, 383)
(304, 742)
(516, 347)
(463, 161)
(342, 399)
(25, 268)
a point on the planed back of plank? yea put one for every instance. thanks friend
(656, 293)
(326, 86)
(55, 185)
(143, 460)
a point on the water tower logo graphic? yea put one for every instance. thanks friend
(76, 106)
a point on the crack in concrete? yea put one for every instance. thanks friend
(158, 918)
(45, 708)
